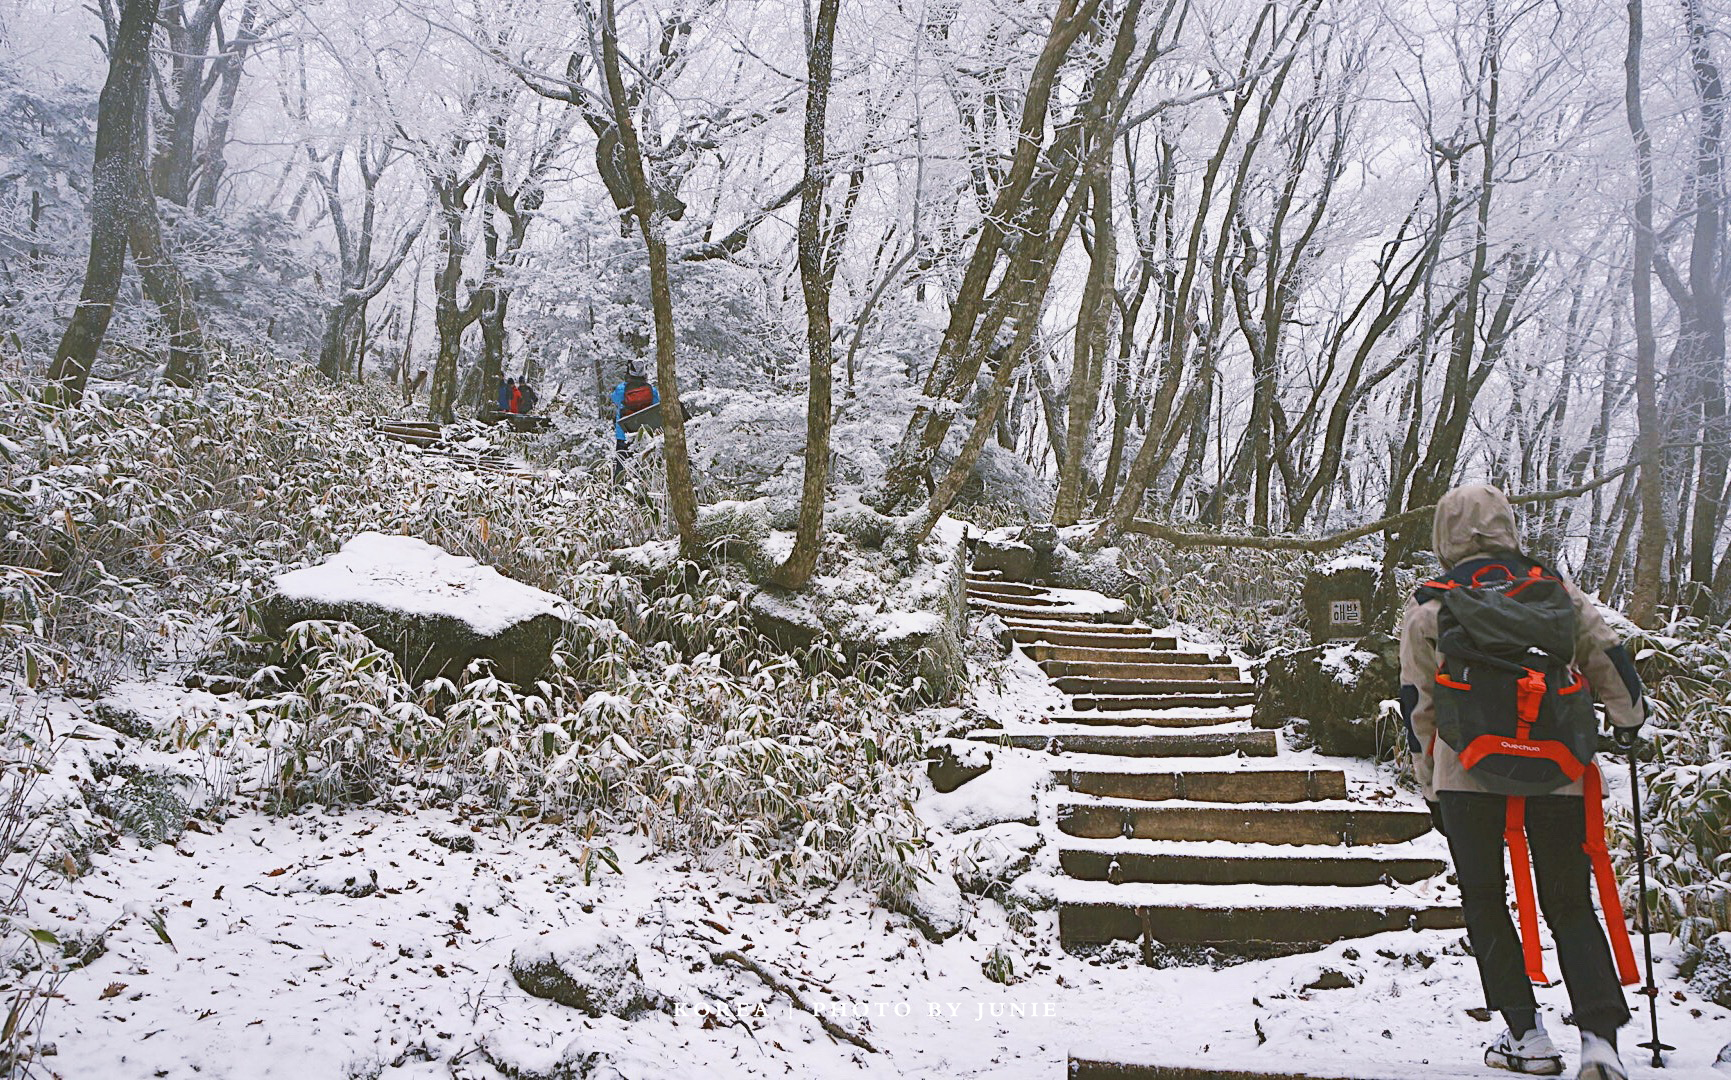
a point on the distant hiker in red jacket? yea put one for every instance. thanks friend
(1499, 661)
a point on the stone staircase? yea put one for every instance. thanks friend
(1179, 825)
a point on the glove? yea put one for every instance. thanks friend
(1626, 737)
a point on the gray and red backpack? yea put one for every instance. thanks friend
(1518, 713)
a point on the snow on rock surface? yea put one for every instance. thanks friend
(408, 575)
(434, 611)
(1009, 792)
(587, 968)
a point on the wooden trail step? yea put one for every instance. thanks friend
(1154, 718)
(1307, 917)
(1018, 620)
(1221, 744)
(1124, 702)
(1041, 652)
(1251, 785)
(1102, 1066)
(1128, 637)
(987, 587)
(1097, 687)
(1140, 670)
(1180, 868)
(1346, 825)
(1048, 614)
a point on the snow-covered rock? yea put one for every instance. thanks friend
(997, 855)
(1337, 690)
(348, 879)
(1009, 792)
(950, 763)
(586, 968)
(1712, 975)
(433, 610)
(936, 906)
(521, 1060)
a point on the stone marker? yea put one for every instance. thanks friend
(1337, 599)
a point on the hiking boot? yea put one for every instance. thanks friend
(1599, 1060)
(1534, 1054)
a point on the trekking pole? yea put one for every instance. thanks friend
(1651, 990)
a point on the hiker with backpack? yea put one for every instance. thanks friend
(635, 394)
(527, 398)
(1500, 659)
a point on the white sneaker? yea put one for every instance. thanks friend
(1535, 1054)
(1599, 1061)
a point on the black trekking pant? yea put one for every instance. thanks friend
(1556, 833)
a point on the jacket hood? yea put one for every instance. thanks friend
(1473, 519)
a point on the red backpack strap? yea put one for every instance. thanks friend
(1526, 905)
(1593, 788)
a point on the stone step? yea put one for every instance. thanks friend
(1033, 603)
(1127, 702)
(1249, 785)
(1140, 670)
(1041, 651)
(989, 587)
(1249, 920)
(1154, 718)
(1092, 686)
(1107, 1066)
(1186, 868)
(1126, 630)
(1336, 823)
(1128, 637)
(1195, 744)
(1028, 612)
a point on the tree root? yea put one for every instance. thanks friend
(775, 982)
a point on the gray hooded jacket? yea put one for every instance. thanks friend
(1476, 520)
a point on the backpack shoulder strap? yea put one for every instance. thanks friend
(1610, 903)
(1526, 903)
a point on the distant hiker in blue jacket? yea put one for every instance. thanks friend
(506, 387)
(635, 394)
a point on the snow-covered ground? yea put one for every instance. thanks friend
(370, 944)
(268, 977)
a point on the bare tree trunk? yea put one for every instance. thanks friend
(1707, 321)
(1093, 331)
(960, 354)
(680, 496)
(815, 273)
(1650, 548)
(119, 153)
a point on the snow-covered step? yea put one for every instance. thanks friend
(1260, 785)
(1140, 702)
(1067, 615)
(1114, 653)
(1102, 635)
(1334, 822)
(1092, 686)
(1178, 862)
(988, 587)
(1140, 670)
(1245, 919)
(1188, 744)
(1151, 718)
(1109, 1062)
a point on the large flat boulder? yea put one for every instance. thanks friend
(434, 611)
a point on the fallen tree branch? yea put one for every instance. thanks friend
(775, 982)
(1183, 538)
